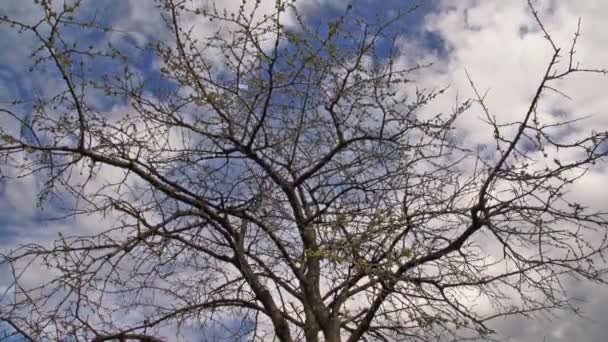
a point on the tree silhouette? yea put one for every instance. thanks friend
(287, 179)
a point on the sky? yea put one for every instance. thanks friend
(495, 41)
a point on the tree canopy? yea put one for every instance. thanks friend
(284, 179)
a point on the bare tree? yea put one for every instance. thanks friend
(285, 182)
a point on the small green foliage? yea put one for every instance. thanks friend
(7, 138)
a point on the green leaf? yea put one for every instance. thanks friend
(406, 252)
(7, 138)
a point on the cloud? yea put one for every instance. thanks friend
(495, 41)
(500, 46)
(22, 223)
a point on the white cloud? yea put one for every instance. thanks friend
(499, 44)
(496, 41)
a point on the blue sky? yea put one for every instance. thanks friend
(495, 41)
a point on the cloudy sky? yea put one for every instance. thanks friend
(496, 42)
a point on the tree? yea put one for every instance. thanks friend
(287, 182)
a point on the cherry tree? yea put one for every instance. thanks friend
(284, 180)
